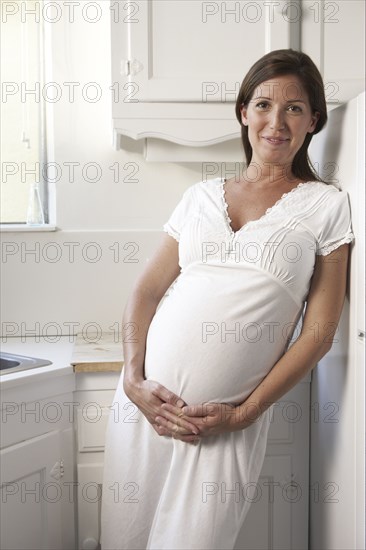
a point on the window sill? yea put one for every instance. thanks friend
(23, 227)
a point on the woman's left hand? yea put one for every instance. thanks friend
(210, 418)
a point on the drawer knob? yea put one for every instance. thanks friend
(89, 544)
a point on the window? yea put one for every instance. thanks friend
(23, 150)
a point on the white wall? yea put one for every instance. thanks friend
(36, 289)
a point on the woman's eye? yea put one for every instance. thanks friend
(262, 104)
(295, 108)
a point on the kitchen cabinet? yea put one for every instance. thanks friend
(279, 513)
(177, 66)
(35, 488)
(93, 397)
(332, 33)
(278, 517)
(38, 488)
(196, 51)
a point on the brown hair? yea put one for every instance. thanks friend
(279, 63)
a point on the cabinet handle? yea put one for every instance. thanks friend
(135, 66)
(130, 67)
(57, 471)
(89, 544)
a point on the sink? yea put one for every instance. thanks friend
(10, 362)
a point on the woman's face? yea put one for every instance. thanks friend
(278, 118)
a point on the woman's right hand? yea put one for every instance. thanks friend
(148, 396)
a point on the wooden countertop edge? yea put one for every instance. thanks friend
(113, 366)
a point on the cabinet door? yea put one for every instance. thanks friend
(32, 495)
(197, 51)
(92, 412)
(90, 477)
(268, 523)
(278, 515)
(333, 35)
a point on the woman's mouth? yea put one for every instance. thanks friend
(275, 141)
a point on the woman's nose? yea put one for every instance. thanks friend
(277, 120)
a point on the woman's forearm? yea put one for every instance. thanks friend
(138, 314)
(302, 357)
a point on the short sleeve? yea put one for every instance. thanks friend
(180, 214)
(335, 227)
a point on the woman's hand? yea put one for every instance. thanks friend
(210, 418)
(149, 396)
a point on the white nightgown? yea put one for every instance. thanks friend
(228, 318)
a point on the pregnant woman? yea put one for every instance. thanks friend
(242, 258)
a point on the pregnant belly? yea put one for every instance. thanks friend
(203, 357)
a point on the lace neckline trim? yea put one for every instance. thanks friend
(266, 213)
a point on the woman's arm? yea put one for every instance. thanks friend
(159, 273)
(150, 287)
(323, 311)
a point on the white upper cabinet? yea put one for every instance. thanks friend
(192, 50)
(177, 65)
(333, 36)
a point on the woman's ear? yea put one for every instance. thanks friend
(243, 110)
(314, 120)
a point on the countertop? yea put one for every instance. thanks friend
(57, 349)
(98, 353)
(69, 354)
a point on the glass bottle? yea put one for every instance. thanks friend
(35, 214)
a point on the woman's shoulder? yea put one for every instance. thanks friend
(314, 200)
(318, 202)
(322, 192)
(328, 215)
(205, 187)
(324, 186)
(315, 189)
(210, 183)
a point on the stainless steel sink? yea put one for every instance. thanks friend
(10, 362)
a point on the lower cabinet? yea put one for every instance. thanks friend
(92, 410)
(38, 491)
(278, 516)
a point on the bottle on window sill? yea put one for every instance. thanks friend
(35, 214)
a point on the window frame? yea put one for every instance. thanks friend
(47, 189)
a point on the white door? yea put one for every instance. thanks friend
(32, 495)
